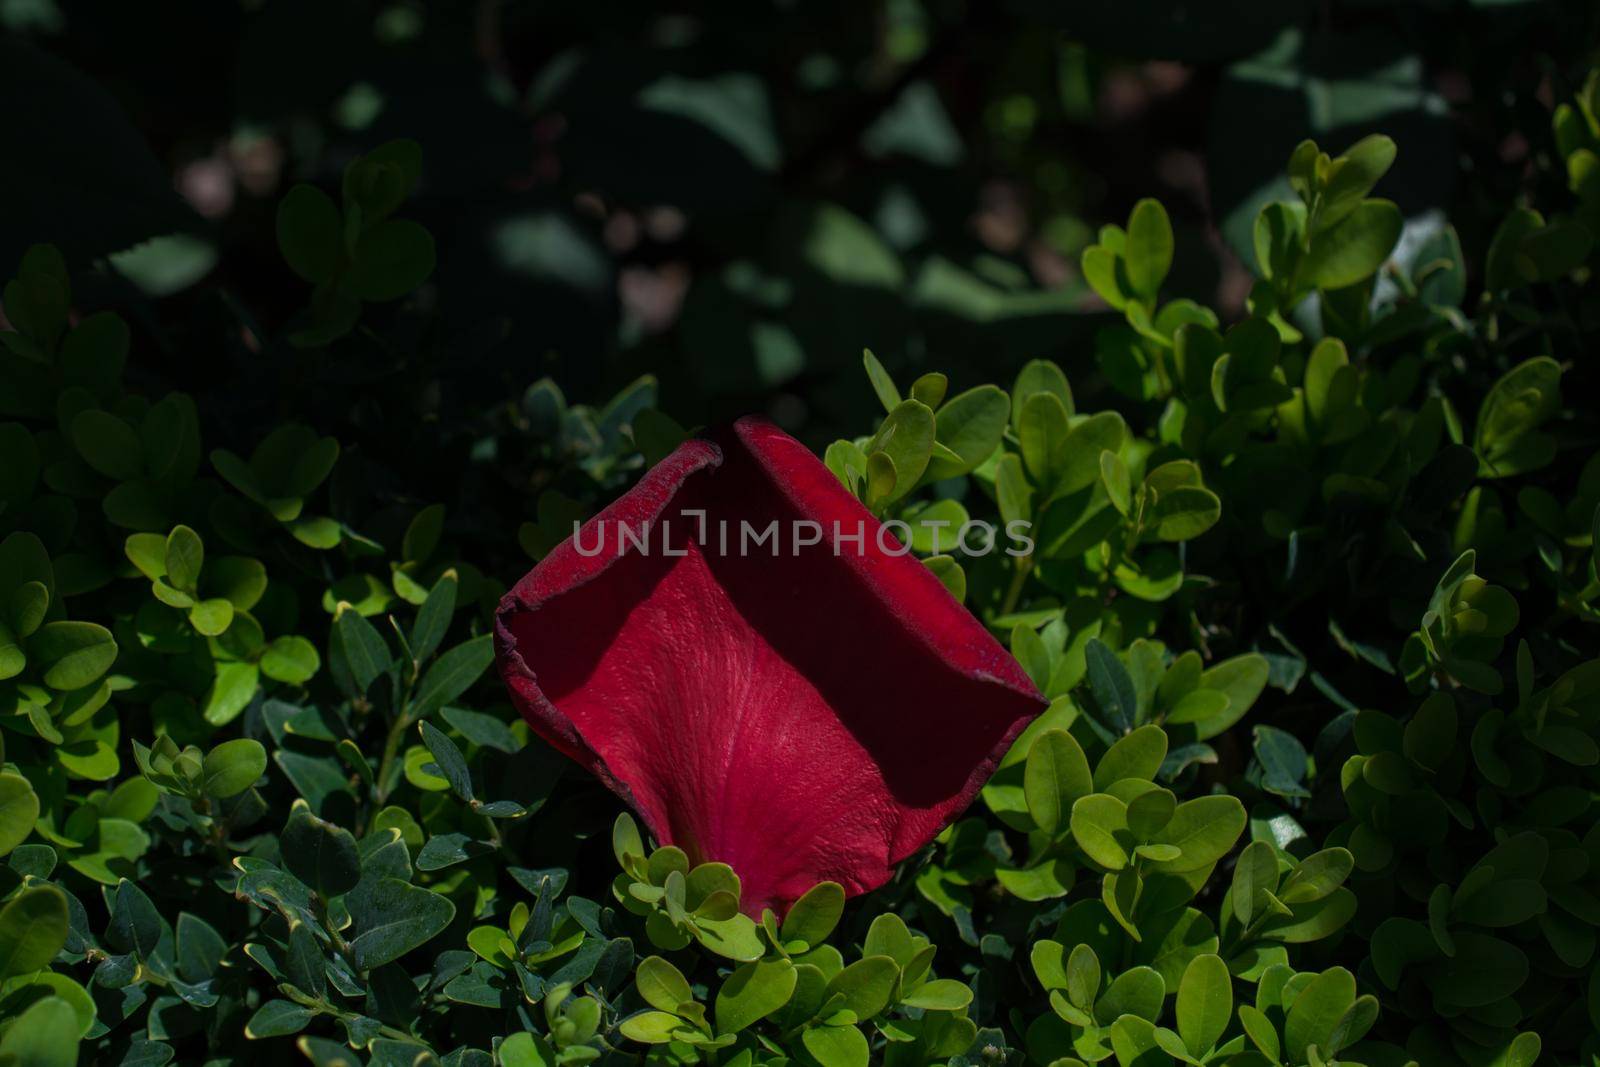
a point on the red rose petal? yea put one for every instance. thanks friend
(806, 717)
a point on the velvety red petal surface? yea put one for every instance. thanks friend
(803, 718)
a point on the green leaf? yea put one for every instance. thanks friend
(452, 674)
(1521, 401)
(1553, 251)
(320, 854)
(391, 260)
(1048, 964)
(136, 926)
(656, 435)
(1505, 902)
(1148, 813)
(232, 767)
(278, 1018)
(1082, 975)
(1242, 680)
(889, 936)
(1205, 1003)
(1149, 248)
(970, 425)
(19, 810)
(1137, 1042)
(1030, 651)
(1203, 829)
(77, 653)
(366, 654)
(1138, 755)
(1255, 872)
(752, 992)
(380, 180)
(1114, 474)
(311, 466)
(1260, 1030)
(653, 1027)
(303, 962)
(392, 918)
(1313, 921)
(23, 558)
(529, 1050)
(33, 929)
(108, 444)
(1039, 376)
(1283, 761)
(661, 985)
(930, 388)
(211, 618)
(446, 850)
(881, 480)
(864, 987)
(231, 691)
(1099, 823)
(1317, 876)
(13, 660)
(906, 437)
(239, 579)
(309, 233)
(487, 730)
(1483, 971)
(29, 604)
(812, 918)
(317, 532)
(625, 840)
(433, 618)
(1431, 733)
(1322, 1002)
(290, 659)
(1041, 432)
(184, 557)
(836, 1046)
(1359, 169)
(1184, 513)
(1355, 248)
(941, 994)
(1100, 267)
(45, 1035)
(1138, 991)
(1077, 458)
(734, 938)
(848, 463)
(200, 948)
(1111, 685)
(423, 533)
(452, 764)
(1055, 776)
(935, 527)
(1012, 493)
(882, 385)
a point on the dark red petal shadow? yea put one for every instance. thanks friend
(802, 718)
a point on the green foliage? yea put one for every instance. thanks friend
(1285, 435)
(355, 253)
(1310, 595)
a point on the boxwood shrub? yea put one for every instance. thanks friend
(1312, 596)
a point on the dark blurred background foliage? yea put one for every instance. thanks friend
(734, 197)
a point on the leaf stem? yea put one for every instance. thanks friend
(1019, 580)
(391, 749)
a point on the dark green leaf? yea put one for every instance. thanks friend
(320, 854)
